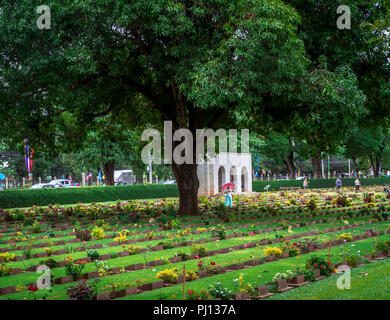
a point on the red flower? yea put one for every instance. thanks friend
(32, 288)
(213, 263)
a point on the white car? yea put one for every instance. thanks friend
(300, 178)
(170, 182)
(38, 186)
(61, 183)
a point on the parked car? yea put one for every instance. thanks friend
(170, 182)
(38, 186)
(61, 183)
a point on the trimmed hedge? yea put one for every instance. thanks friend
(258, 186)
(42, 197)
(21, 198)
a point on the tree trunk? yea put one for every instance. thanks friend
(109, 169)
(188, 184)
(316, 162)
(290, 166)
(375, 163)
(354, 163)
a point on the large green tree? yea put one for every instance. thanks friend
(193, 62)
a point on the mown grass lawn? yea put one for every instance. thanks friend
(369, 282)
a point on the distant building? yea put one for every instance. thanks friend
(225, 167)
(124, 177)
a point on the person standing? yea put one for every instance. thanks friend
(338, 184)
(305, 184)
(228, 197)
(357, 185)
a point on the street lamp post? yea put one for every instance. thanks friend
(150, 168)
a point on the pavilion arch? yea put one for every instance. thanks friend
(221, 177)
(234, 175)
(244, 180)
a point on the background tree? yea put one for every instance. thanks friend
(193, 62)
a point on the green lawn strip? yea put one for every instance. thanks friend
(244, 216)
(34, 261)
(104, 203)
(208, 245)
(132, 237)
(257, 275)
(374, 285)
(303, 219)
(148, 276)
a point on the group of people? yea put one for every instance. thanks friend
(229, 192)
(339, 184)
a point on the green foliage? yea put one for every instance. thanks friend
(199, 250)
(258, 186)
(218, 231)
(43, 197)
(219, 291)
(93, 254)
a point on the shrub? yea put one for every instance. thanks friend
(184, 256)
(4, 270)
(114, 255)
(7, 256)
(121, 238)
(102, 268)
(258, 186)
(36, 227)
(272, 251)
(199, 250)
(382, 245)
(292, 249)
(168, 275)
(74, 269)
(218, 231)
(318, 262)
(51, 263)
(342, 201)
(49, 251)
(311, 205)
(219, 291)
(83, 235)
(166, 244)
(93, 254)
(150, 235)
(191, 276)
(351, 256)
(97, 233)
(193, 295)
(242, 286)
(134, 249)
(345, 236)
(83, 290)
(43, 197)
(283, 276)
